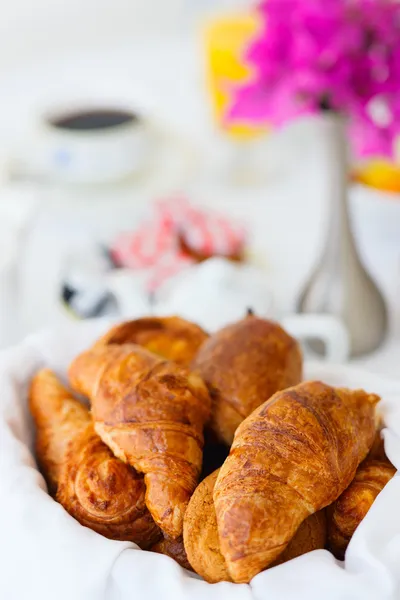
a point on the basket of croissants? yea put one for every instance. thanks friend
(198, 459)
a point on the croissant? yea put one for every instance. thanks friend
(128, 361)
(293, 456)
(172, 338)
(96, 488)
(151, 414)
(345, 515)
(174, 549)
(243, 365)
(202, 542)
(58, 418)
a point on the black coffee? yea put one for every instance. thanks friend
(93, 119)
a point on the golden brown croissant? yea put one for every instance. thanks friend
(243, 365)
(291, 457)
(58, 418)
(128, 361)
(96, 488)
(151, 414)
(345, 515)
(172, 338)
(200, 534)
(174, 549)
(202, 542)
(103, 493)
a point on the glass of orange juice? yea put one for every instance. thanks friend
(226, 38)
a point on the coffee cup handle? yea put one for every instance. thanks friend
(325, 328)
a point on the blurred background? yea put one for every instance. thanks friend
(125, 190)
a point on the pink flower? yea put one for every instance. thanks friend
(336, 54)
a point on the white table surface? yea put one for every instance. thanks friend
(286, 214)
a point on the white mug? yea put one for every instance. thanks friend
(218, 292)
(82, 141)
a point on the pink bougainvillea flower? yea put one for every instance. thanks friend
(368, 139)
(326, 54)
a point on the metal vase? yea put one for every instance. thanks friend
(340, 285)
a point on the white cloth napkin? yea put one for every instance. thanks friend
(45, 554)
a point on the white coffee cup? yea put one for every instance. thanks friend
(218, 292)
(85, 141)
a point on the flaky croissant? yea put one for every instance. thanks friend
(243, 365)
(345, 515)
(59, 418)
(202, 542)
(96, 488)
(172, 338)
(200, 534)
(291, 457)
(151, 414)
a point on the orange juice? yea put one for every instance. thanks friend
(226, 39)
